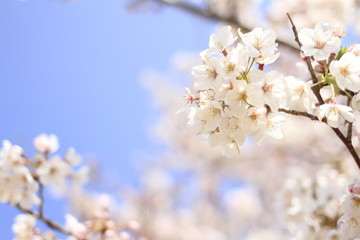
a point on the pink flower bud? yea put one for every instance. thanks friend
(354, 188)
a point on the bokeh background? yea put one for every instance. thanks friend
(74, 68)
(91, 71)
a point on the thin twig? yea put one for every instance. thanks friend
(47, 221)
(349, 131)
(350, 124)
(296, 35)
(299, 113)
(41, 196)
(346, 140)
(315, 88)
(348, 145)
(208, 14)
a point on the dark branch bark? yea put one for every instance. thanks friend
(350, 124)
(348, 145)
(299, 113)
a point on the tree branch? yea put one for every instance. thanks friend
(315, 88)
(346, 140)
(348, 145)
(299, 113)
(41, 196)
(349, 131)
(350, 124)
(208, 14)
(47, 221)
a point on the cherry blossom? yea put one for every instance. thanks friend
(334, 112)
(261, 45)
(319, 42)
(346, 71)
(54, 172)
(46, 143)
(23, 227)
(219, 42)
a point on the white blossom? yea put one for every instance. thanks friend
(319, 42)
(207, 74)
(75, 227)
(229, 145)
(346, 71)
(256, 117)
(355, 102)
(28, 197)
(18, 187)
(334, 112)
(46, 143)
(260, 43)
(355, 49)
(11, 156)
(218, 42)
(81, 176)
(349, 225)
(234, 64)
(24, 226)
(54, 172)
(237, 98)
(300, 93)
(208, 117)
(271, 127)
(231, 127)
(72, 157)
(266, 88)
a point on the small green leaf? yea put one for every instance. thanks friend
(340, 53)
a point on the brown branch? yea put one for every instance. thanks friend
(349, 131)
(47, 221)
(348, 145)
(350, 124)
(41, 196)
(299, 113)
(346, 140)
(208, 14)
(315, 88)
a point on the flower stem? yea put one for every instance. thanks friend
(45, 220)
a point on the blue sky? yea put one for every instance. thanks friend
(73, 69)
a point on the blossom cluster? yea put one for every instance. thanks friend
(22, 178)
(98, 227)
(22, 185)
(312, 206)
(24, 227)
(349, 223)
(236, 98)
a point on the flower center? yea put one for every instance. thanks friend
(345, 70)
(267, 88)
(319, 44)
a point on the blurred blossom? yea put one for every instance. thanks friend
(46, 143)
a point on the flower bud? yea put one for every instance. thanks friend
(354, 188)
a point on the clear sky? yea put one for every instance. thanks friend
(73, 69)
